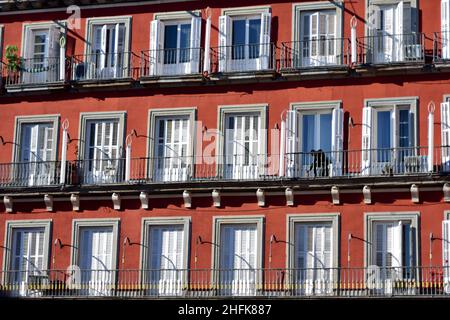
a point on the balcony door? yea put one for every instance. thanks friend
(171, 147)
(36, 166)
(318, 45)
(177, 38)
(238, 258)
(27, 259)
(102, 162)
(165, 260)
(313, 258)
(108, 46)
(242, 146)
(244, 43)
(95, 259)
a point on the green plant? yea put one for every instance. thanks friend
(12, 57)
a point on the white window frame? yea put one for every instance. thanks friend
(54, 119)
(226, 110)
(154, 115)
(78, 224)
(11, 226)
(413, 217)
(316, 6)
(218, 221)
(28, 28)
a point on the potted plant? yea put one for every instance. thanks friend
(13, 62)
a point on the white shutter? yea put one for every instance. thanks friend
(397, 245)
(400, 31)
(34, 153)
(196, 25)
(366, 141)
(265, 48)
(445, 135)
(156, 47)
(292, 158)
(445, 28)
(337, 141)
(224, 42)
(62, 53)
(446, 254)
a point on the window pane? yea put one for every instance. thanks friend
(384, 133)
(170, 44)
(238, 40)
(404, 129)
(308, 137)
(254, 37)
(325, 132)
(185, 39)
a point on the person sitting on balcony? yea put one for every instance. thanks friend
(320, 163)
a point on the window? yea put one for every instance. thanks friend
(107, 55)
(315, 139)
(446, 252)
(244, 41)
(175, 44)
(393, 248)
(94, 251)
(238, 254)
(166, 254)
(313, 256)
(27, 257)
(394, 32)
(318, 41)
(171, 145)
(389, 129)
(44, 58)
(242, 141)
(35, 151)
(102, 158)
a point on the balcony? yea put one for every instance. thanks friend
(243, 61)
(30, 174)
(210, 283)
(391, 49)
(441, 48)
(347, 164)
(36, 74)
(315, 55)
(171, 65)
(103, 68)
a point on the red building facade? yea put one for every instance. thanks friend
(260, 149)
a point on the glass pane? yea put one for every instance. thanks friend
(308, 133)
(384, 133)
(185, 39)
(325, 132)
(254, 37)
(404, 129)
(238, 39)
(170, 44)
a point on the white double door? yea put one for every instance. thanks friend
(318, 46)
(242, 147)
(107, 59)
(172, 144)
(102, 157)
(238, 275)
(390, 37)
(36, 154)
(165, 260)
(95, 259)
(313, 258)
(27, 259)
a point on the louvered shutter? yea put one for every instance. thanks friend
(265, 47)
(445, 135)
(196, 25)
(337, 141)
(366, 141)
(397, 245)
(292, 159)
(103, 49)
(62, 38)
(445, 28)
(224, 42)
(156, 47)
(446, 254)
